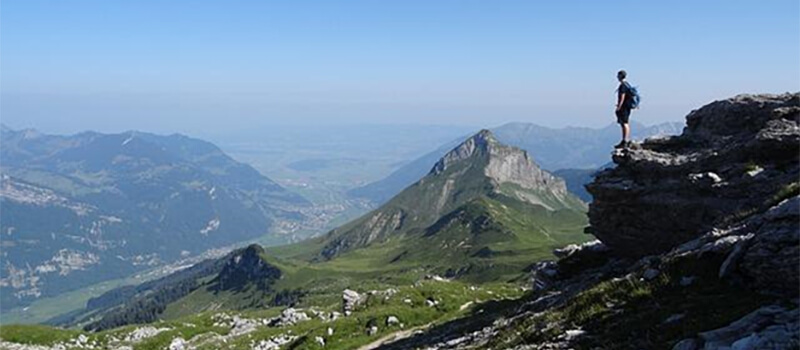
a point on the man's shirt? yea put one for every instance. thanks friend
(624, 89)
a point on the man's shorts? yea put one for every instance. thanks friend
(623, 115)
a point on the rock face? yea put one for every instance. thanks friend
(735, 157)
(505, 164)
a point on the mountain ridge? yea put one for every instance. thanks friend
(120, 203)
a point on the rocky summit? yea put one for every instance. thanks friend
(480, 167)
(735, 157)
(505, 164)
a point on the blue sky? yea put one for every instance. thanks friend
(190, 66)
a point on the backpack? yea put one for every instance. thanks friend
(635, 97)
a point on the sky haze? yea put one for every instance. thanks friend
(188, 66)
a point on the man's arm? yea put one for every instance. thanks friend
(621, 99)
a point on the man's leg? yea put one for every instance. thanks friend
(622, 142)
(626, 132)
(622, 119)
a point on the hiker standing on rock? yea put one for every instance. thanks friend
(627, 99)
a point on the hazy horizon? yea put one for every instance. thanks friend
(228, 67)
(247, 135)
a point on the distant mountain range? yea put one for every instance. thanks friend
(553, 149)
(90, 207)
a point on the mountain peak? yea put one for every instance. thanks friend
(510, 169)
(485, 134)
(244, 266)
(478, 144)
(480, 167)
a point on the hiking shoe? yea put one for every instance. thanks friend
(621, 144)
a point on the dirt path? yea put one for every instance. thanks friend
(466, 305)
(393, 337)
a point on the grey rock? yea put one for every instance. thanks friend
(542, 274)
(178, 344)
(274, 343)
(350, 300)
(289, 317)
(145, 332)
(770, 327)
(772, 258)
(591, 246)
(674, 318)
(686, 344)
(242, 325)
(572, 334)
(650, 274)
(687, 280)
(372, 330)
(707, 178)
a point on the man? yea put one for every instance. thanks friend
(623, 111)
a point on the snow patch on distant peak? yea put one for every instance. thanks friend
(129, 139)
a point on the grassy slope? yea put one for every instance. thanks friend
(349, 332)
(514, 234)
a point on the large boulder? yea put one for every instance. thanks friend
(771, 259)
(770, 327)
(350, 300)
(735, 157)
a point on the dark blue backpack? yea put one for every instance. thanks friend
(635, 97)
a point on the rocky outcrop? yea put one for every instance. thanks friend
(350, 301)
(288, 317)
(246, 267)
(735, 157)
(762, 252)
